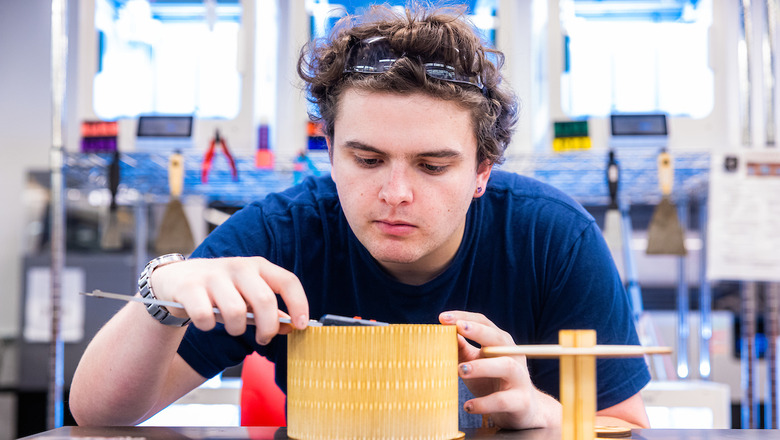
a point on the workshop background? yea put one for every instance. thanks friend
(687, 81)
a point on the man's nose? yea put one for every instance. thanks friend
(397, 187)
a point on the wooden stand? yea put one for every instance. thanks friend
(577, 351)
(578, 386)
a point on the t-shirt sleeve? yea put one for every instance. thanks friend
(586, 293)
(210, 352)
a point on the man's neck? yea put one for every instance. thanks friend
(412, 274)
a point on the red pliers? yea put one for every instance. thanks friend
(205, 167)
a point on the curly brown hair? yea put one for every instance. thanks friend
(422, 35)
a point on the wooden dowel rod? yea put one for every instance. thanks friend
(554, 351)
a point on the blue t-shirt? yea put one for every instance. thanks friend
(532, 260)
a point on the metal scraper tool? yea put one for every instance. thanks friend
(325, 320)
(153, 301)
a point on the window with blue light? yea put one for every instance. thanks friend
(624, 56)
(325, 13)
(167, 57)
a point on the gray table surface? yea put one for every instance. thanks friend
(259, 433)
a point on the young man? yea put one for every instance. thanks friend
(412, 226)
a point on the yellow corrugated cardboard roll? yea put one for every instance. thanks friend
(388, 382)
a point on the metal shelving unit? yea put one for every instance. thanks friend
(579, 174)
(144, 176)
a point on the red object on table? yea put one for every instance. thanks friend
(262, 402)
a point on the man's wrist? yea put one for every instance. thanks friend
(159, 313)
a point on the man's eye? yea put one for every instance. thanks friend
(366, 161)
(433, 169)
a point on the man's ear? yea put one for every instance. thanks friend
(483, 174)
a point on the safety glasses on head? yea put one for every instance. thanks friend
(374, 55)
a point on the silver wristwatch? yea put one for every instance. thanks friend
(159, 313)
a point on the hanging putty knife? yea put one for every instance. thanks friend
(112, 233)
(665, 234)
(175, 234)
(613, 222)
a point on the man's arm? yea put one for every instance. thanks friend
(131, 369)
(630, 412)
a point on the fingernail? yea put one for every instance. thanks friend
(468, 407)
(447, 317)
(302, 321)
(465, 369)
(464, 325)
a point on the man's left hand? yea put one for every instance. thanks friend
(502, 385)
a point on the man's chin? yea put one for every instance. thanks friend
(396, 259)
(394, 256)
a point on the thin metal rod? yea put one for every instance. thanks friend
(642, 320)
(768, 46)
(745, 82)
(59, 57)
(629, 263)
(683, 327)
(772, 406)
(705, 299)
(748, 355)
(141, 212)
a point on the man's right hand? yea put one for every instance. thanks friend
(108, 386)
(235, 286)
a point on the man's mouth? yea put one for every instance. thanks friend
(395, 227)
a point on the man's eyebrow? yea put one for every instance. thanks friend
(355, 145)
(443, 153)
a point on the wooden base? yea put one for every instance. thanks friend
(613, 432)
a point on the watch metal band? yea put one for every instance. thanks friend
(159, 313)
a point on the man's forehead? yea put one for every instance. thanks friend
(394, 123)
(358, 102)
